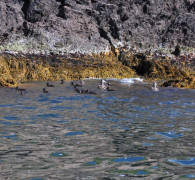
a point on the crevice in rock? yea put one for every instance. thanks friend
(62, 3)
(104, 35)
(61, 10)
(145, 9)
(25, 7)
(26, 30)
(114, 29)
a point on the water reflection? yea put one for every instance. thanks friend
(187, 162)
(129, 159)
(131, 132)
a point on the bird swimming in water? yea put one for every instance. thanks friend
(154, 88)
(79, 84)
(20, 89)
(103, 85)
(62, 81)
(44, 90)
(109, 89)
(49, 85)
(84, 91)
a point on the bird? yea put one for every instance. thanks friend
(109, 89)
(49, 85)
(177, 51)
(84, 91)
(62, 81)
(20, 89)
(103, 85)
(154, 88)
(75, 84)
(44, 90)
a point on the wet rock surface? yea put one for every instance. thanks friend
(93, 26)
(17, 68)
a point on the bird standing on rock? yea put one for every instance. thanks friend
(177, 51)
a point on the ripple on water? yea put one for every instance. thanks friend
(147, 144)
(190, 176)
(9, 124)
(152, 138)
(43, 99)
(60, 108)
(11, 118)
(55, 101)
(92, 163)
(129, 159)
(28, 107)
(6, 105)
(141, 172)
(74, 133)
(12, 136)
(59, 154)
(45, 116)
(188, 162)
(170, 134)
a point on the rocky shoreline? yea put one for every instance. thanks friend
(16, 68)
(74, 39)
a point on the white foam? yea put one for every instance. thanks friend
(123, 81)
(130, 80)
(92, 78)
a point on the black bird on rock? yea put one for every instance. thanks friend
(177, 51)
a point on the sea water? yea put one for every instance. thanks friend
(129, 133)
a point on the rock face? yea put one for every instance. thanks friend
(86, 26)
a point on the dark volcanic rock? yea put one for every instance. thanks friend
(85, 26)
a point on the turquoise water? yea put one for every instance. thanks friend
(129, 133)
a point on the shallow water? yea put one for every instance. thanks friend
(129, 133)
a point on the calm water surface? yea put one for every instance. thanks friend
(129, 133)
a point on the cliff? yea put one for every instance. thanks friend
(135, 32)
(87, 26)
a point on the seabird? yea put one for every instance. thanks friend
(62, 81)
(108, 89)
(49, 85)
(177, 51)
(20, 89)
(44, 90)
(76, 84)
(154, 88)
(103, 85)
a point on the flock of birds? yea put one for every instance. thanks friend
(78, 86)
